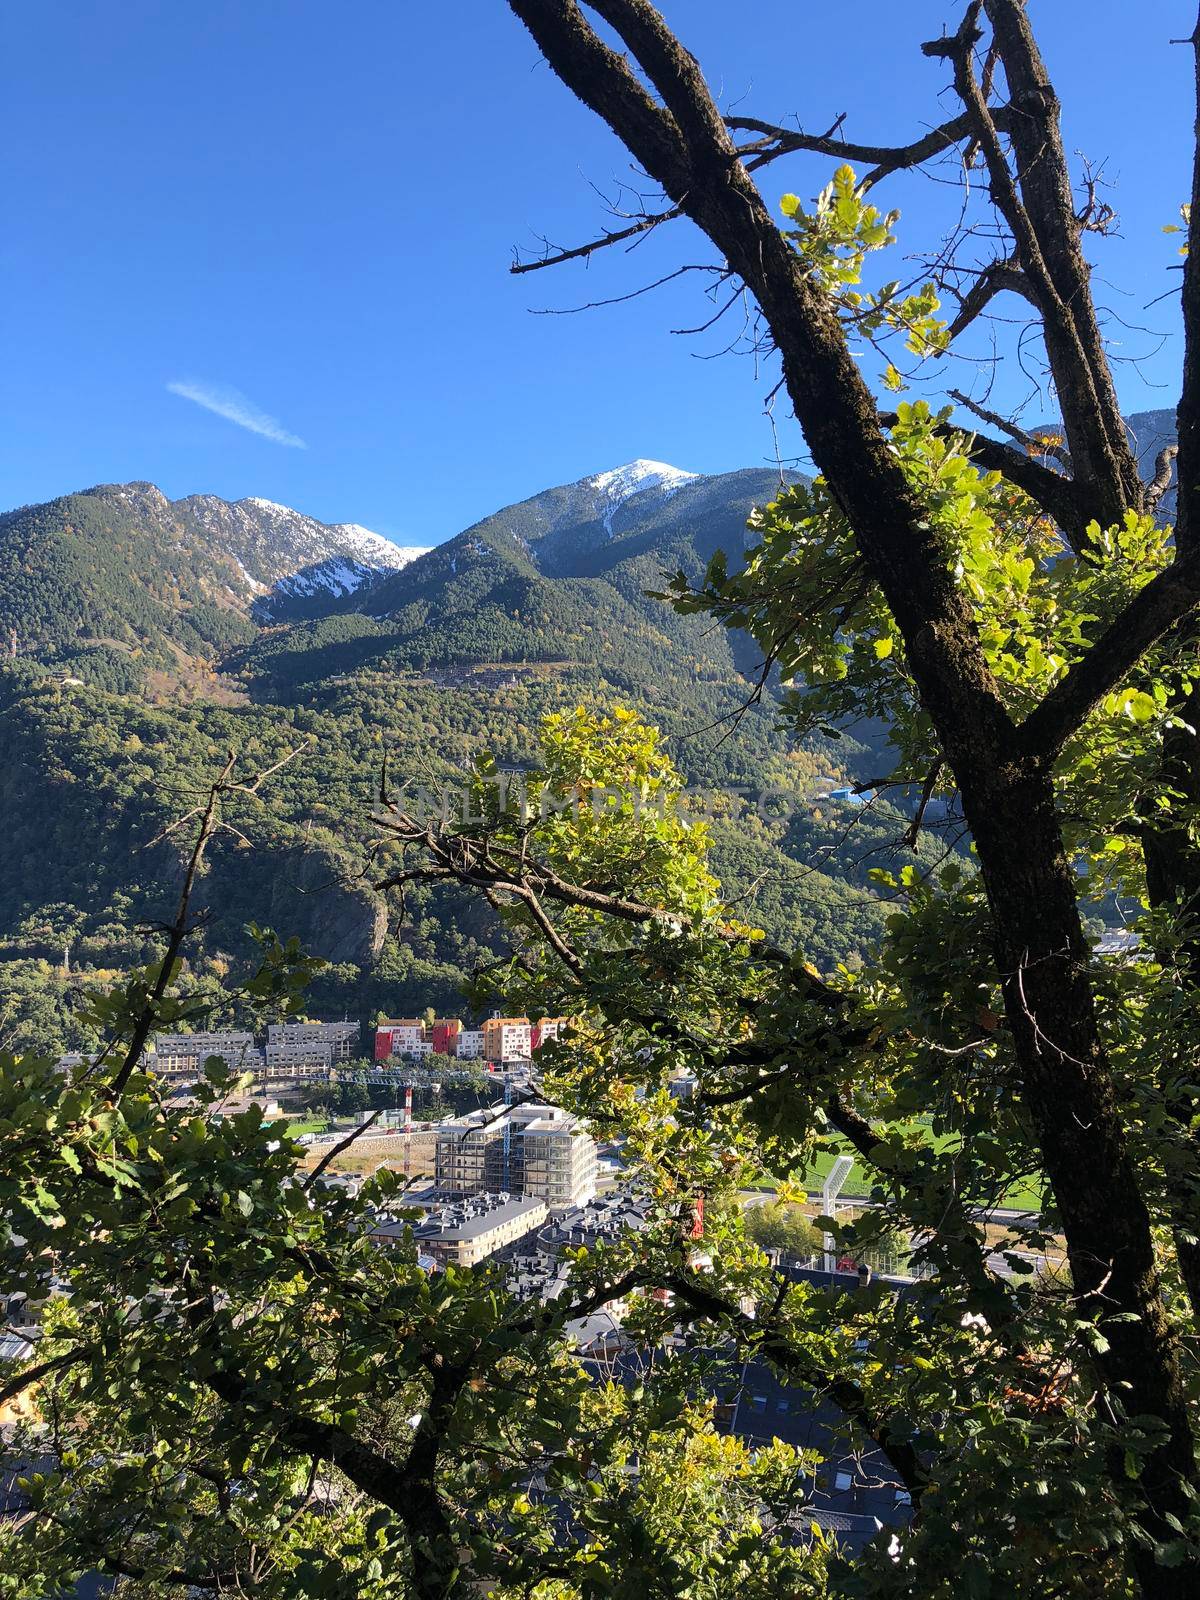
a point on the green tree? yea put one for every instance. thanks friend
(921, 580)
(1025, 629)
(245, 1390)
(318, 1096)
(352, 1094)
(776, 1225)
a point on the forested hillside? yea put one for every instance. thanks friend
(144, 654)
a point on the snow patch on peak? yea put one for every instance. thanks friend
(619, 484)
(362, 560)
(284, 554)
(640, 474)
(340, 575)
(373, 549)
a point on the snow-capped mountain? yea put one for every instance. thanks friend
(636, 477)
(360, 559)
(623, 527)
(282, 552)
(373, 549)
(335, 577)
(124, 563)
(135, 572)
(558, 528)
(144, 636)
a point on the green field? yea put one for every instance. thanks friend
(1026, 1195)
(299, 1125)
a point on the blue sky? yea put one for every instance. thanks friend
(304, 213)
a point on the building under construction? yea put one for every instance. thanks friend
(532, 1150)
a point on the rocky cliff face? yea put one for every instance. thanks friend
(285, 556)
(301, 891)
(333, 916)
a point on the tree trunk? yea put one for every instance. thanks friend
(1066, 1085)
(682, 142)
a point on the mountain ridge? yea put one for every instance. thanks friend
(106, 733)
(143, 653)
(119, 573)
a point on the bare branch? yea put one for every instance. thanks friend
(338, 1149)
(775, 141)
(1001, 277)
(1095, 215)
(177, 933)
(1046, 229)
(1036, 443)
(178, 930)
(583, 251)
(484, 863)
(1050, 259)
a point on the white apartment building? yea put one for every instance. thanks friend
(470, 1044)
(300, 1059)
(560, 1162)
(398, 1037)
(181, 1053)
(342, 1038)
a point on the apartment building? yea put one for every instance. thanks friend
(444, 1036)
(341, 1038)
(516, 1038)
(466, 1232)
(559, 1161)
(547, 1028)
(299, 1060)
(472, 1239)
(461, 1165)
(507, 1039)
(534, 1150)
(398, 1037)
(179, 1071)
(178, 1055)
